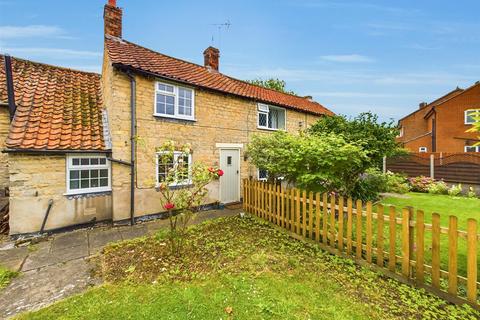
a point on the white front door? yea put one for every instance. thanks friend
(230, 181)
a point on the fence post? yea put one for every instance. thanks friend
(432, 166)
(384, 164)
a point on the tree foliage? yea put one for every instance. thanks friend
(376, 138)
(323, 162)
(272, 83)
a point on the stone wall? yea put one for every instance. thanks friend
(219, 118)
(34, 180)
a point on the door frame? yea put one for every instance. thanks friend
(231, 146)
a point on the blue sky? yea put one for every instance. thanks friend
(351, 56)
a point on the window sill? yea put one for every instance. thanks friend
(166, 117)
(87, 194)
(176, 186)
(270, 129)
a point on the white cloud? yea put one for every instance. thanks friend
(347, 58)
(57, 53)
(13, 32)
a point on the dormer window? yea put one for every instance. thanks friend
(174, 101)
(271, 118)
(470, 115)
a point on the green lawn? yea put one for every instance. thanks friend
(5, 276)
(462, 207)
(236, 268)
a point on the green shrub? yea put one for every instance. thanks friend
(370, 184)
(438, 187)
(396, 183)
(5, 276)
(455, 190)
(420, 184)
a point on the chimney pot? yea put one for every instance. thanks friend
(309, 98)
(211, 57)
(422, 105)
(112, 19)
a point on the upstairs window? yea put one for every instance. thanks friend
(174, 101)
(400, 132)
(422, 149)
(472, 148)
(470, 115)
(87, 174)
(271, 118)
(179, 162)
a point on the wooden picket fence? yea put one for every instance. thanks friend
(396, 245)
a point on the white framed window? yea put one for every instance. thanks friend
(271, 118)
(174, 101)
(178, 161)
(472, 148)
(262, 175)
(87, 173)
(422, 149)
(400, 132)
(470, 115)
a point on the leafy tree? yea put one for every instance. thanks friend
(315, 162)
(272, 83)
(376, 138)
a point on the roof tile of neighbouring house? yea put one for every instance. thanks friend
(128, 54)
(57, 108)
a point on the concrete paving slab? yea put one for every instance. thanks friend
(41, 258)
(35, 289)
(98, 238)
(71, 239)
(13, 258)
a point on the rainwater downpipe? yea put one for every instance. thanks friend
(133, 134)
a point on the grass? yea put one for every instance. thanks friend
(463, 208)
(242, 268)
(5, 276)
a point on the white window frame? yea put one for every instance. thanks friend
(423, 149)
(174, 94)
(70, 166)
(467, 114)
(263, 108)
(176, 154)
(258, 176)
(477, 149)
(400, 132)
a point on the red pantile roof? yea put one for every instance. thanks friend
(124, 53)
(57, 108)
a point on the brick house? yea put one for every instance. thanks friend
(440, 126)
(72, 147)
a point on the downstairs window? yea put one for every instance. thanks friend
(179, 162)
(87, 173)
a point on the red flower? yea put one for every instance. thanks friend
(220, 172)
(168, 206)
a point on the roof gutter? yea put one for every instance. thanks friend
(127, 68)
(10, 88)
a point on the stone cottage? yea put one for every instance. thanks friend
(71, 139)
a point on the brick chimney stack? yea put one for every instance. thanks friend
(211, 57)
(112, 19)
